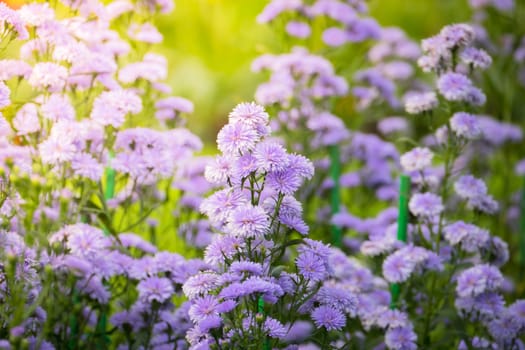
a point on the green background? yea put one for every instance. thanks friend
(210, 45)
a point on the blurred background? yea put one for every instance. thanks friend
(210, 45)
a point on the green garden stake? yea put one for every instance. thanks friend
(402, 224)
(260, 309)
(522, 231)
(335, 195)
(110, 181)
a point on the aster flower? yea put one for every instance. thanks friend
(26, 120)
(5, 93)
(328, 317)
(249, 267)
(478, 279)
(468, 187)
(13, 22)
(146, 32)
(476, 58)
(393, 319)
(311, 266)
(398, 268)
(417, 159)
(203, 307)
(48, 75)
(392, 125)
(270, 156)
(338, 298)
(222, 247)
(402, 338)
(286, 182)
(236, 138)
(425, 204)
(111, 107)
(454, 86)
(416, 103)
(155, 289)
(457, 35)
(248, 222)
(298, 29)
(470, 236)
(274, 328)
(465, 125)
(85, 165)
(57, 107)
(201, 283)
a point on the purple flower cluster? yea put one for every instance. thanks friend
(314, 78)
(349, 22)
(392, 56)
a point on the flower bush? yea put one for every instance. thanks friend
(297, 234)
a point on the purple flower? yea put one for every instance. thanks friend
(477, 58)
(274, 328)
(50, 76)
(311, 266)
(416, 103)
(334, 36)
(398, 267)
(426, 204)
(469, 187)
(286, 182)
(167, 107)
(249, 267)
(276, 7)
(57, 107)
(110, 107)
(146, 32)
(252, 285)
(4, 95)
(248, 222)
(203, 307)
(454, 86)
(26, 120)
(219, 170)
(155, 289)
(338, 298)
(465, 125)
(131, 240)
(294, 222)
(456, 35)
(401, 338)
(393, 319)
(222, 247)
(417, 159)
(392, 125)
(199, 284)
(298, 29)
(13, 22)
(517, 310)
(329, 318)
(270, 156)
(471, 237)
(87, 241)
(237, 138)
(219, 205)
(85, 165)
(14, 68)
(478, 279)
